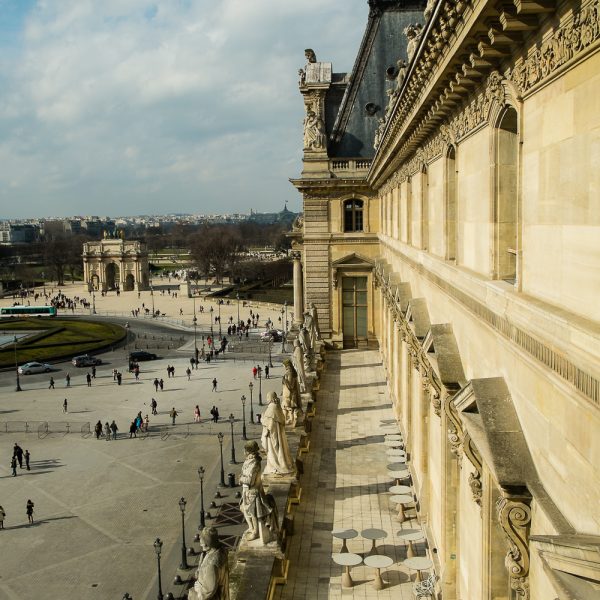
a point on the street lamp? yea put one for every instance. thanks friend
(158, 549)
(184, 564)
(18, 388)
(211, 321)
(195, 342)
(250, 386)
(270, 347)
(284, 327)
(127, 326)
(152, 296)
(93, 302)
(219, 305)
(238, 307)
(201, 475)
(260, 386)
(244, 436)
(231, 422)
(221, 436)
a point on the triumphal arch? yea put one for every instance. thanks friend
(112, 264)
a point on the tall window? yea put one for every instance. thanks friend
(451, 221)
(353, 215)
(507, 152)
(424, 210)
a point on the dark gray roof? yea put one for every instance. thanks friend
(383, 44)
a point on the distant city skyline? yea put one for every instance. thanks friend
(133, 107)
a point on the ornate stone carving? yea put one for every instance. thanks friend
(274, 439)
(310, 55)
(212, 574)
(413, 35)
(314, 132)
(436, 402)
(454, 426)
(429, 8)
(472, 454)
(564, 44)
(514, 516)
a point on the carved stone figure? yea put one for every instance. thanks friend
(274, 439)
(304, 339)
(379, 133)
(413, 34)
(312, 309)
(212, 575)
(309, 325)
(429, 8)
(258, 508)
(290, 396)
(301, 77)
(402, 69)
(314, 132)
(298, 362)
(310, 55)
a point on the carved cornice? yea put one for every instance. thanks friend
(473, 455)
(455, 431)
(514, 516)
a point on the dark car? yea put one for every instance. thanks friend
(139, 355)
(85, 360)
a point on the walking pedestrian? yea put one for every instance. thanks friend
(168, 371)
(107, 431)
(188, 373)
(2, 517)
(114, 429)
(156, 383)
(254, 371)
(119, 377)
(197, 414)
(98, 429)
(136, 372)
(51, 386)
(146, 424)
(154, 404)
(29, 511)
(266, 371)
(132, 430)
(161, 384)
(13, 465)
(214, 382)
(65, 406)
(94, 371)
(114, 374)
(88, 378)
(18, 452)
(27, 457)
(68, 380)
(173, 414)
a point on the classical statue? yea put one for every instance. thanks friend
(402, 68)
(312, 309)
(291, 401)
(212, 575)
(301, 76)
(378, 133)
(298, 362)
(258, 508)
(304, 339)
(274, 439)
(314, 132)
(429, 8)
(413, 34)
(310, 55)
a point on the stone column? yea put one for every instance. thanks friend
(298, 292)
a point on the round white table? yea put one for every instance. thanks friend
(373, 534)
(399, 475)
(399, 465)
(344, 534)
(410, 536)
(396, 437)
(400, 489)
(418, 564)
(393, 452)
(378, 562)
(347, 560)
(401, 500)
(394, 443)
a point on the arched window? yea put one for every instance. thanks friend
(451, 220)
(353, 215)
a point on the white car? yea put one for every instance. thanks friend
(34, 367)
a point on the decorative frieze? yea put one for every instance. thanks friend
(514, 516)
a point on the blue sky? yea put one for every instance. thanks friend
(136, 106)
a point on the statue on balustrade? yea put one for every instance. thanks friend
(258, 508)
(307, 351)
(212, 575)
(298, 363)
(291, 401)
(274, 439)
(314, 132)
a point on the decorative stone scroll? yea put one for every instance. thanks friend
(473, 455)
(514, 516)
(454, 426)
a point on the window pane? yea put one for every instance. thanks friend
(361, 283)
(348, 283)
(361, 321)
(348, 297)
(348, 321)
(358, 220)
(361, 298)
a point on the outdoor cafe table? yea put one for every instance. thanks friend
(344, 534)
(373, 534)
(410, 536)
(347, 560)
(378, 562)
(401, 500)
(418, 564)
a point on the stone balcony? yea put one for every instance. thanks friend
(349, 167)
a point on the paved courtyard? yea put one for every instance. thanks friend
(100, 505)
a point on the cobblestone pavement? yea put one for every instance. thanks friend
(345, 485)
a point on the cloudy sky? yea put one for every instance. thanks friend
(124, 107)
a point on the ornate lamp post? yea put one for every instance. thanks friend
(195, 320)
(270, 346)
(238, 307)
(244, 436)
(219, 305)
(231, 422)
(158, 549)
(201, 476)
(93, 302)
(184, 564)
(250, 387)
(18, 388)
(220, 436)
(152, 296)
(284, 326)
(127, 327)
(211, 322)
(260, 386)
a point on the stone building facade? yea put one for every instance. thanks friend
(111, 264)
(471, 149)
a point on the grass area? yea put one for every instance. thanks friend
(57, 338)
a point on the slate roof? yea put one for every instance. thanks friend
(350, 128)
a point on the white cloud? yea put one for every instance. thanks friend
(148, 106)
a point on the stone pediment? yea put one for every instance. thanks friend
(354, 261)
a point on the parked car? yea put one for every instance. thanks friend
(85, 360)
(272, 335)
(34, 367)
(139, 355)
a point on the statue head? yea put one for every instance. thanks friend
(273, 397)
(310, 55)
(209, 538)
(251, 448)
(296, 343)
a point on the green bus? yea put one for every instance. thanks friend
(28, 311)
